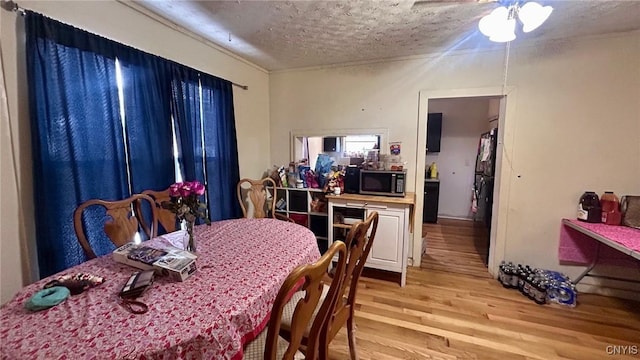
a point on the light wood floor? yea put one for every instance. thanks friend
(456, 246)
(452, 309)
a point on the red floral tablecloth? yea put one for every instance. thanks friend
(241, 265)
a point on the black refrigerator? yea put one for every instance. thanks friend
(484, 181)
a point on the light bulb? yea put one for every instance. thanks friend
(489, 23)
(533, 15)
(504, 31)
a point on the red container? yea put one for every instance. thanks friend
(610, 208)
(299, 219)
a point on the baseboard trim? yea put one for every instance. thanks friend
(628, 294)
(454, 218)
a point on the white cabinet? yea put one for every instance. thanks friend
(390, 246)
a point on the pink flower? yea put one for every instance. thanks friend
(185, 189)
(174, 189)
(185, 202)
(198, 188)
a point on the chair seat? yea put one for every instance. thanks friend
(255, 349)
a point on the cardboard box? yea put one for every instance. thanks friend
(121, 255)
(177, 267)
(165, 260)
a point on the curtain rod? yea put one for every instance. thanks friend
(243, 87)
(11, 5)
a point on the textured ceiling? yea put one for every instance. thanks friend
(280, 35)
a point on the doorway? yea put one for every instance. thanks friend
(462, 188)
(495, 232)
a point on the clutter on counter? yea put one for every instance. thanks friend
(609, 209)
(328, 175)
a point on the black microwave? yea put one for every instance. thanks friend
(382, 182)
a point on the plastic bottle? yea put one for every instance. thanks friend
(291, 179)
(504, 275)
(434, 170)
(610, 208)
(589, 209)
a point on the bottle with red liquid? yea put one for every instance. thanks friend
(610, 208)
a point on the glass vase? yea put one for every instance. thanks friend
(190, 242)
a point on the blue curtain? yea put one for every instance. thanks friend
(147, 93)
(77, 140)
(81, 151)
(203, 111)
(186, 100)
(221, 148)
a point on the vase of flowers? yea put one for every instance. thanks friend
(185, 203)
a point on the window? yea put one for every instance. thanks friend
(359, 144)
(354, 143)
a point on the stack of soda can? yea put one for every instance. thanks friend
(541, 286)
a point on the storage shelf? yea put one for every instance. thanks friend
(319, 213)
(300, 206)
(301, 189)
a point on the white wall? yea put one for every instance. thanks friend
(463, 121)
(121, 23)
(573, 124)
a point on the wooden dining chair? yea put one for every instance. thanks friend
(359, 242)
(124, 220)
(269, 345)
(256, 192)
(166, 218)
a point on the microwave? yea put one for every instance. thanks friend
(382, 182)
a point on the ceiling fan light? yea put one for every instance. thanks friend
(501, 12)
(505, 31)
(533, 15)
(486, 25)
(490, 23)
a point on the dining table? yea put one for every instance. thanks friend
(226, 303)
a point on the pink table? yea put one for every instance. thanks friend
(580, 243)
(226, 303)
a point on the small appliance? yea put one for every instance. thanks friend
(352, 180)
(382, 182)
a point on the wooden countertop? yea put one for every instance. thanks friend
(408, 199)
